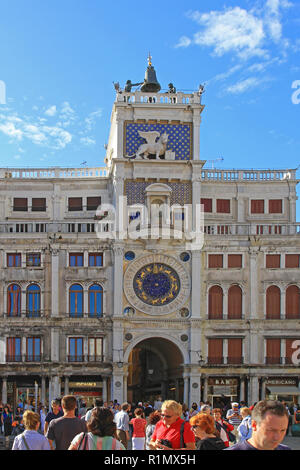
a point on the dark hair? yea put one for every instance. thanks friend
(98, 402)
(264, 406)
(154, 417)
(101, 422)
(138, 411)
(124, 406)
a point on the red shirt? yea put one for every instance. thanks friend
(139, 425)
(172, 433)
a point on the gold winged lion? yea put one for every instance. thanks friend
(153, 146)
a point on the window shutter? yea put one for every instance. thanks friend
(273, 261)
(20, 204)
(75, 203)
(235, 301)
(215, 351)
(292, 304)
(257, 206)
(235, 350)
(273, 350)
(38, 204)
(275, 206)
(234, 261)
(223, 206)
(93, 203)
(215, 303)
(273, 302)
(207, 204)
(292, 261)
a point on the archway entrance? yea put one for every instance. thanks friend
(155, 369)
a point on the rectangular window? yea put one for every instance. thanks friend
(75, 349)
(223, 206)
(38, 204)
(74, 204)
(215, 351)
(95, 349)
(76, 259)
(235, 355)
(207, 204)
(234, 261)
(14, 260)
(272, 261)
(95, 259)
(273, 351)
(275, 206)
(215, 261)
(93, 203)
(33, 259)
(13, 349)
(20, 204)
(292, 261)
(257, 206)
(33, 349)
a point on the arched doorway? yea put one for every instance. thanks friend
(155, 369)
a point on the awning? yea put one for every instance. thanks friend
(283, 390)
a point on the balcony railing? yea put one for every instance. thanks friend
(24, 358)
(55, 172)
(85, 358)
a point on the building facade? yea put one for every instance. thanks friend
(151, 276)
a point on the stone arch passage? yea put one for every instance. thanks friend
(155, 369)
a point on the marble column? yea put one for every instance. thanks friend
(186, 390)
(67, 381)
(4, 390)
(104, 389)
(43, 390)
(54, 282)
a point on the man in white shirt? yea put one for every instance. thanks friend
(122, 421)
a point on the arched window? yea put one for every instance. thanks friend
(292, 302)
(14, 300)
(76, 300)
(33, 300)
(273, 302)
(95, 301)
(215, 303)
(235, 302)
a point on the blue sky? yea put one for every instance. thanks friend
(58, 61)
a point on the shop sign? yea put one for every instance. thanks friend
(85, 384)
(222, 381)
(280, 381)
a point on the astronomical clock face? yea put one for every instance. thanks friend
(156, 284)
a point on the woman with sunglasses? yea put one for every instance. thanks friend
(172, 432)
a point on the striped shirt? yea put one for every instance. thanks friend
(96, 443)
(234, 420)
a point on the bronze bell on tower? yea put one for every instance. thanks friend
(150, 84)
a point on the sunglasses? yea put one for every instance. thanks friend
(166, 416)
(195, 427)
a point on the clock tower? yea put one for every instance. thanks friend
(153, 155)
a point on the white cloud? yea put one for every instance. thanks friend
(51, 111)
(91, 119)
(184, 41)
(244, 85)
(87, 141)
(245, 33)
(9, 129)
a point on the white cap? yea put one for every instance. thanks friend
(234, 403)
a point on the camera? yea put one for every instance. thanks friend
(165, 442)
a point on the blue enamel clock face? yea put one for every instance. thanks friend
(156, 284)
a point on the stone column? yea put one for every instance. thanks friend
(254, 288)
(195, 388)
(242, 389)
(196, 135)
(253, 390)
(196, 284)
(263, 388)
(118, 385)
(186, 390)
(67, 390)
(43, 390)
(118, 279)
(204, 398)
(104, 389)
(54, 281)
(54, 344)
(4, 390)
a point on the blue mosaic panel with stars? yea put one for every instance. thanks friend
(179, 138)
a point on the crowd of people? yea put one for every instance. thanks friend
(165, 425)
